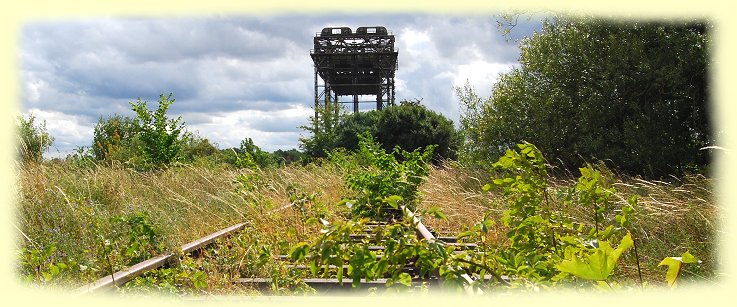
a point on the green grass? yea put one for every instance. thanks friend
(671, 218)
(74, 208)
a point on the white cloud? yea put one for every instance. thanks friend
(68, 130)
(480, 74)
(228, 129)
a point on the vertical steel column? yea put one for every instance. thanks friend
(317, 98)
(355, 103)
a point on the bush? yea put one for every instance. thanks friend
(114, 138)
(409, 126)
(160, 136)
(195, 146)
(414, 126)
(33, 140)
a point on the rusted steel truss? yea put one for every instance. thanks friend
(354, 64)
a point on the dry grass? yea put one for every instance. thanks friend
(671, 218)
(72, 207)
(60, 203)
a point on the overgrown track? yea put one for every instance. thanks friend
(119, 279)
(321, 285)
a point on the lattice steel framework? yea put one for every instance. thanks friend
(354, 64)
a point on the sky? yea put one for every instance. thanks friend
(238, 76)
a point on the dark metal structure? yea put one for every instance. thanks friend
(361, 63)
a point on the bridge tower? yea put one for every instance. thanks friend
(354, 64)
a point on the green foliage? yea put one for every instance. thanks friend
(598, 264)
(632, 94)
(175, 279)
(289, 156)
(248, 155)
(412, 126)
(33, 140)
(355, 124)
(323, 129)
(408, 125)
(524, 187)
(593, 189)
(335, 247)
(160, 136)
(387, 182)
(142, 237)
(43, 265)
(115, 138)
(195, 147)
(546, 247)
(675, 266)
(260, 158)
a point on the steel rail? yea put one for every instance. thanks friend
(427, 235)
(121, 277)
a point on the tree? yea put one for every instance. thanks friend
(323, 129)
(33, 140)
(631, 94)
(413, 126)
(408, 125)
(160, 136)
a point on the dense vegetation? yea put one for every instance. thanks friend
(32, 139)
(408, 125)
(146, 185)
(632, 94)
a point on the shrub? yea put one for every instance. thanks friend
(114, 138)
(160, 136)
(33, 140)
(387, 182)
(195, 146)
(412, 126)
(409, 126)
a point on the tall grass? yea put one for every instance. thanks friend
(671, 217)
(74, 207)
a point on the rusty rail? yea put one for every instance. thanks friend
(121, 277)
(427, 235)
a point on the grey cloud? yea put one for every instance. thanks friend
(228, 63)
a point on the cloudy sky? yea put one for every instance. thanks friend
(235, 77)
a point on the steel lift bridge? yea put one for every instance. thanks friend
(361, 63)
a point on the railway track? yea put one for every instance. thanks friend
(320, 285)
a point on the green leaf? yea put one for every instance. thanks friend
(299, 251)
(675, 265)
(405, 279)
(688, 258)
(393, 201)
(199, 280)
(674, 269)
(54, 270)
(597, 265)
(436, 213)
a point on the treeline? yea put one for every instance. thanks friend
(150, 140)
